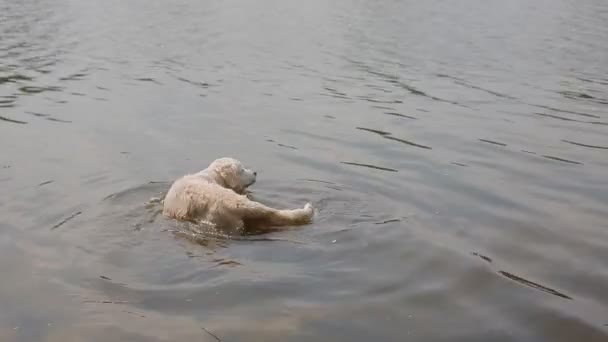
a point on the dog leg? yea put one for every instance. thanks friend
(258, 212)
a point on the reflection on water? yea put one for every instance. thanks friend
(456, 155)
(533, 284)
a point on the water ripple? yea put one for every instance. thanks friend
(5, 119)
(454, 155)
(370, 166)
(586, 145)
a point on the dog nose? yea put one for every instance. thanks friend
(255, 173)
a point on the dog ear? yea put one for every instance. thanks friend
(229, 173)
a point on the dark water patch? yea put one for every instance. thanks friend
(336, 92)
(562, 160)
(66, 220)
(40, 115)
(110, 280)
(7, 101)
(102, 88)
(388, 221)
(3, 118)
(334, 96)
(14, 78)
(287, 146)
(45, 183)
(408, 142)
(46, 116)
(74, 77)
(585, 145)
(459, 164)
(211, 334)
(382, 107)
(198, 84)
(578, 96)
(370, 166)
(105, 301)
(598, 123)
(414, 91)
(401, 115)
(374, 100)
(534, 285)
(78, 94)
(387, 135)
(395, 80)
(333, 90)
(567, 111)
(602, 82)
(329, 116)
(296, 99)
(575, 94)
(529, 152)
(423, 110)
(95, 179)
(150, 186)
(148, 79)
(464, 83)
(37, 90)
(493, 142)
(376, 131)
(58, 120)
(225, 262)
(376, 87)
(483, 257)
(448, 76)
(317, 181)
(491, 92)
(281, 145)
(558, 117)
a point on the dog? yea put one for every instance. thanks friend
(216, 196)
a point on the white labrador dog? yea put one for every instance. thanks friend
(215, 196)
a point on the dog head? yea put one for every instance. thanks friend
(230, 173)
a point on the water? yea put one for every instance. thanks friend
(457, 154)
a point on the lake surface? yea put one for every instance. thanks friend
(456, 152)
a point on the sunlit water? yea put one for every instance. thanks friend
(457, 153)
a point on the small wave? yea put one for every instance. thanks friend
(370, 166)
